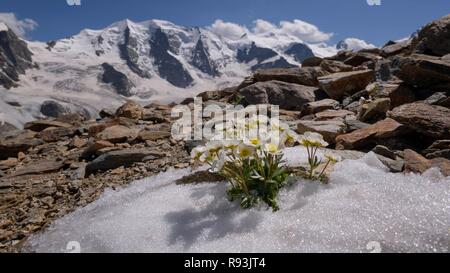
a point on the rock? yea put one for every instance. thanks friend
(330, 129)
(398, 94)
(131, 110)
(40, 125)
(95, 146)
(119, 81)
(332, 66)
(354, 124)
(396, 48)
(75, 119)
(423, 71)
(384, 151)
(9, 163)
(312, 61)
(333, 114)
(78, 142)
(338, 85)
(416, 163)
(53, 109)
(118, 134)
(6, 128)
(153, 135)
(436, 99)
(368, 136)
(20, 142)
(53, 134)
(434, 38)
(375, 110)
(299, 75)
(431, 120)
(288, 96)
(155, 117)
(440, 148)
(319, 106)
(107, 113)
(359, 58)
(116, 159)
(39, 167)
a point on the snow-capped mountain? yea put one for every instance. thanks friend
(151, 60)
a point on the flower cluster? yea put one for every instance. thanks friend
(248, 153)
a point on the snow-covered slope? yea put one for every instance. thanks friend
(146, 61)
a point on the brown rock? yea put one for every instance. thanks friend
(319, 106)
(153, 135)
(39, 167)
(40, 125)
(333, 66)
(118, 134)
(299, 75)
(416, 163)
(155, 117)
(330, 129)
(53, 134)
(375, 110)
(20, 142)
(434, 38)
(78, 142)
(131, 110)
(368, 136)
(338, 85)
(333, 114)
(427, 119)
(396, 48)
(288, 96)
(9, 163)
(423, 71)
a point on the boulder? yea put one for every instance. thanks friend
(6, 129)
(440, 148)
(116, 159)
(431, 120)
(416, 163)
(53, 134)
(319, 106)
(93, 146)
(118, 134)
(423, 71)
(375, 110)
(312, 61)
(22, 141)
(40, 125)
(437, 98)
(153, 116)
(434, 38)
(39, 167)
(288, 96)
(365, 137)
(153, 135)
(333, 114)
(131, 110)
(53, 109)
(333, 66)
(330, 129)
(338, 85)
(299, 75)
(359, 58)
(398, 94)
(396, 48)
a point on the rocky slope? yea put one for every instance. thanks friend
(394, 101)
(146, 61)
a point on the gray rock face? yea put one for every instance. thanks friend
(53, 109)
(300, 52)
(202, 61)
(129, 54)
(261, 54)
(117, 79)
(168, 66)
(15, 58)
(288, 96)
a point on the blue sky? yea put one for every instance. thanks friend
(393, 19)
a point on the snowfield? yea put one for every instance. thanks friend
(364, 209)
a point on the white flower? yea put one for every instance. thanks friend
(333, 157)
(254, 142)
(197, 152)
(312, 139)
(271, 148)
(246, 151)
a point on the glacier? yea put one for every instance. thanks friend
(363, 209)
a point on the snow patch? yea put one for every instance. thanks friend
(363, 204)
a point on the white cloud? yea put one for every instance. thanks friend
(262, 26)
(357, 44)
(20, 27)
(228, 30)
(304, 31)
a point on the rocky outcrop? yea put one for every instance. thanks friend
(304, 76)
(15, 57)
(423, 71)
(129, 52)
(52, 109)
(119, 81)
(300, 52)
(288, 96)
(168, 66)
(434, 38)
(202, 60)
(342, 84)
(431, 120)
